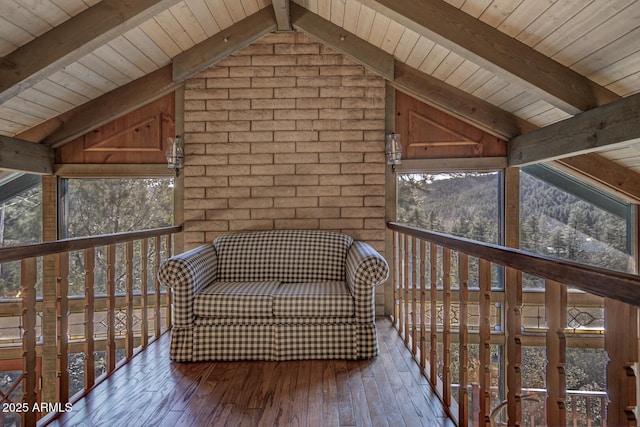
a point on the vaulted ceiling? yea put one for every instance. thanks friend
(557, 78)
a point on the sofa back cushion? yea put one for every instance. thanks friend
(283, 255)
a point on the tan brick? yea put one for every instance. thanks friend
(340, 201)
(273, 60)
(273, 147)
(194, 149)
(229, 148)
(208, 204)
(363, 102)
(297, 71)
(341, 223)
(250, 136)
(231, 104)
(341, 113)
(374, 92)
(320, 60)
(273, 38)
(341, 179)
(374, 201)
(205, 116)
(364, 81)
(251, 93)
(377, 136)
(206, 181)
(296, 92)
(296, 180)
(250, 159)
(228, 126)
(374, 237)
(302, 135)
(228, 170)
(214, 72)
(295, 114)
(273, 104)
(363, 146)
(194, 215)
(371, 179)
(317, 169)
(364, 168)
(296, 158)
(195, 84)
(341, 157)
(251, 202)
(274, 213)
(273, 191)
(194, 193)
(194, 127)
(318, 213)
(319, 81)
(362, 124)
(342, 92)
(343, 135)
(317, 103)
(230, 82)
(272, 169)
(295, 202)
(235, 61)
(227, 192)
(343, 70)
(206, 94)
(366, 212)
(314, 147)
(194, 104)
(251, 71)
(250, 181)
(274, 125)
(363, 190)
(206, 160)
(193, 237)
(318, 190)
(273, 82)
(375, 114)
(251, 115)
(251, 225)
(296, 49)
(375, 223)
(300, 224)
(206, 138)
(256, 49)
(194, 171)
(228, 214)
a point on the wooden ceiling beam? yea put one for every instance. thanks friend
(25, 156)
(90, 115)
(342, 41)
(71, 40)
(282, 10)
(497, 52)
(611, 125)
(458, 103)
(223, 44)
(601, 171)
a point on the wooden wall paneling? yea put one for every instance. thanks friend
(138, 137)
(428, 133)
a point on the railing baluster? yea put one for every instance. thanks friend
(111, 308)
(405, 289)
(89, 310)
(423, 305)
(63, 326)
(168, 289)
(129, 299)
(158, 301)
(446, 330)
(415, 276)
(433, 296)
(556, 314)
(463, 352)
(513, 291)
(485, 341)
(144, 307)
(29, 271)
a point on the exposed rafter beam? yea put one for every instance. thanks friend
(75, 123)
(614, 124)
(283, 15)
(458, 103)
(25, 156)
(496, 51)
(602, 171)
(71, 40)
(223, 44)
(342, 41)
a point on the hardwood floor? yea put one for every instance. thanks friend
(153, 391)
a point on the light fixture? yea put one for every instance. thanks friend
(175, 154)
(393, 150)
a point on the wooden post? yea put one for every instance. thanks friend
(405, 287)
(423, 305)
(129, 299)
(415, 281)
(158, 299)
(446, 330)
(556, 314)
(433, 354)
(29, 277)
(63, 327)
(167, 288)
(463, 356)
(89, 317)
(144, 305)
(485, 341)
(111, 308)
(49, 298)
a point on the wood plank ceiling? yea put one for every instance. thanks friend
(597, 41)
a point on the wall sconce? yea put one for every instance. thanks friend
(175, 154)
(393, 150)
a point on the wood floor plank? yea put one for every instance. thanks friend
(388, 390)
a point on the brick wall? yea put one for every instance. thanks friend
(286, 133)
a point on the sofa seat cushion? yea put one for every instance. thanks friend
(319, 299)
(236, 299)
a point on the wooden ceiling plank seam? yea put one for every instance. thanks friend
(420, 52)
(498, 11)
(235, 10)
(392, 37)
(188, 22)
(133, 54)
(522, 17)
(337, 12)
(13, 34)
(155, 32)
(202, 13)
(223, 44)
(220, 13)
(627, 86)
(611, 53)
(90, 77)
(406, 44)
(56, 90)
(25, 106)
(105, 69)
(336, 38)
(324, 9)
(172, 27)
(462, 73)
(48, 11)
(72, 7)
(250, 7)
(365, 22)
(351, 14)
(618, 70)
(41, 98)
(73, 39)
(24, 18)
(111, 55)
(434, 61)
(603, 127)
(73, 83)
(151, 50)
(476, 80)
(378, 29)
(497, 52)
(475, 8)
(557, 14)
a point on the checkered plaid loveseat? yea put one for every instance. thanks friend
(275, 295)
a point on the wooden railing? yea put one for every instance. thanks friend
(117, 309)
(442, 318)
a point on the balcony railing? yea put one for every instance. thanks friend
(59, 346)
(463, 327)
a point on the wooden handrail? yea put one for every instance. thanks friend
(611, 284)
(17, 253)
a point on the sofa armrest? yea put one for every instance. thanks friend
(366, 269)
(187, 273)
